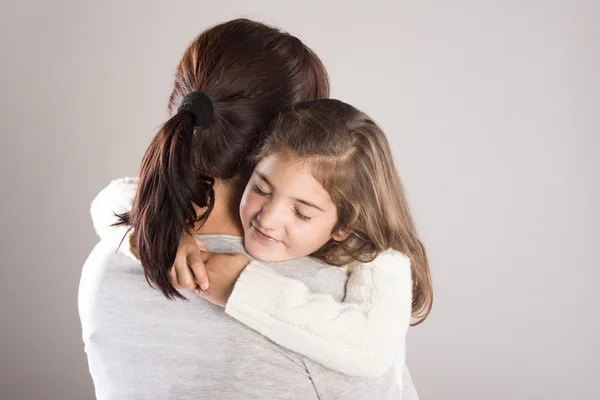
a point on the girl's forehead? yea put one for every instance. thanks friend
(293, 174)
(285, 161)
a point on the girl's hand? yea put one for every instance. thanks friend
(223, 270)
(188, 271)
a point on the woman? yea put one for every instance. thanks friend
(191, 175)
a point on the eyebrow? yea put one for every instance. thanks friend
(308, 203)
(305, 202)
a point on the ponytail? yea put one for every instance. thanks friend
(168, 191)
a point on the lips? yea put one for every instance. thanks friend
(263, 236)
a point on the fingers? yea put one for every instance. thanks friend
(173, 278)
(184, 274)
(189, 271)
(196, 264)
(196, 261)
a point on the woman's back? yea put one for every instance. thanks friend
(141, 345)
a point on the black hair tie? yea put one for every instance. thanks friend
(200, 105)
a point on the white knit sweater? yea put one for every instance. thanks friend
(364, 335)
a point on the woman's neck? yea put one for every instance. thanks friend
(224, 218)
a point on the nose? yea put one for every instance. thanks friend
(269, 217)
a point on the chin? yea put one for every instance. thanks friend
(262, 253)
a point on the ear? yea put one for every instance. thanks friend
(340, 235)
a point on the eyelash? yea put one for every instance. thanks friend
(260, 192)
(265, 194)
(302, 217)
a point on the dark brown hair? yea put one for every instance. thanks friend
(248, 70)
(350, 156)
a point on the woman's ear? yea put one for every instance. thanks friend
(340, 235)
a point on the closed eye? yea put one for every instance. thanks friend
(258, 191)
(301, 216)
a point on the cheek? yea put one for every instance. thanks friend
(249, 205)
(306, 238)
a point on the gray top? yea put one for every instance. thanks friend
(142, 346)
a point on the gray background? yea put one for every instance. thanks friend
(492, 109)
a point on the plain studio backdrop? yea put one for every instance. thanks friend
(493, 112)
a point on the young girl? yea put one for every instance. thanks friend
(325, 185)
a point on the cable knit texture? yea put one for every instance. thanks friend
(364, 335)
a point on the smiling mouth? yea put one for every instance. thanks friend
(262, 235)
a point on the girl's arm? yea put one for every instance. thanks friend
(364, 335)
(116, 198)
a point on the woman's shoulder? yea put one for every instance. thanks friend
(106, 255)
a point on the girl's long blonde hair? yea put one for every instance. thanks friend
(351, 157)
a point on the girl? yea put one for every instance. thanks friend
(325, 185)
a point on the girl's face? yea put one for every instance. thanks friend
(286, 213)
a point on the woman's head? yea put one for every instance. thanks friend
(247, 71)
(335, 157)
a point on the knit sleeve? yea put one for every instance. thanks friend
(116, 198)
(363, 336)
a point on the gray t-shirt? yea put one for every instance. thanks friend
(142, 346)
